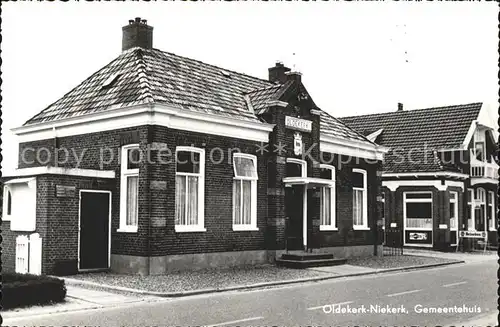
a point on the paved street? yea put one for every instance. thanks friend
(472, 285)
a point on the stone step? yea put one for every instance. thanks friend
(302, 264)
(306, 256)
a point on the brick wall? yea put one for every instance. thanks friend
(56, 222)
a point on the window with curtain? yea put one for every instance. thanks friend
(189, 189)
(359, 208)
(327, 200)
(244, 191)
(418, 210)
(129, 188)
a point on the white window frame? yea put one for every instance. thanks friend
(124, 174)
(491, 206)
(364, 226)
(333, 207)
(200, 227)
(481, 195)
(471, 225)
(26, 221)
(423, 200)
(455, 205)
(474, 151)
(6, 192)
(253, 191)
(302, 163)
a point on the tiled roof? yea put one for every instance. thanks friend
(331, 126)
(432, 129)
(141, 76)
(147, 76)
(260, 97)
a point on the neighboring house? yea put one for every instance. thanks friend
(440, 175)
(158, 163)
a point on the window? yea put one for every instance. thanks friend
(491, 210)
(19, 204)
(418, 210)
(129, 188)
(296, 168)
(7, 203)
(360, 200)
(327, 200)
(479, 153)
(189, 189)
(453, 210)
(382, 208)
(480, 210)
(245, 192)
(470, 209)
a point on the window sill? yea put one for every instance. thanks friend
(244, 228)
(21, 229)
(327, 228)
(184, 229)
(127, 230)
(360, 228)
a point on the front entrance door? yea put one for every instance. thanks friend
(294, 198)
(94, 230)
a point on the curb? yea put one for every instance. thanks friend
(73, 281)
(6, 315)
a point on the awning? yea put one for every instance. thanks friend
(311, 182)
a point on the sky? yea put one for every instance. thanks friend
(355, 57)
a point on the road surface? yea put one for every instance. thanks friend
(470, 287)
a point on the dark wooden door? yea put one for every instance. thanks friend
(294, 202)
(94, 230)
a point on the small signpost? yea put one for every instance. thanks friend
(472, 234)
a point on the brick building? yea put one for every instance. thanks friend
(440, 176)
(158, 163)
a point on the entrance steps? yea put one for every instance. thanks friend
(302, 260)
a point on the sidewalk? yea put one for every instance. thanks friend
(77, 299)
(467, 257)
(222, 280)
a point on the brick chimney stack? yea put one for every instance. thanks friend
(277, 74)
(137, 34)
(400, 106)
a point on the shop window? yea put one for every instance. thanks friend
(19, 204)
(360, 199)
(491, 210)
(129, 188)
(189, 189)
(245, 192)
(327, 200)
(418, 210)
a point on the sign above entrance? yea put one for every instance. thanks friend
(298, 124)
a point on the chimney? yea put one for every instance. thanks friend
(137, 34)
(400, 106)
(277, 74)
